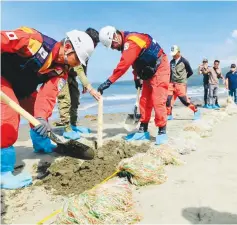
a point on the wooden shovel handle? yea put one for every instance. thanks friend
(138, 96)
(100, 123)
(18, 109)
(138, 99)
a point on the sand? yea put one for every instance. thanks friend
(70, 176)
(201, 191)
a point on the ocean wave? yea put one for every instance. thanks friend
(119, 97)
(198, 91)
(87, 106)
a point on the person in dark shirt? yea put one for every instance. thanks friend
(180, 72)
(203, 69)
(231, 82)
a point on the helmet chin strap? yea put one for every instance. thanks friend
(65, 59)
(65, 54)
(117, 41)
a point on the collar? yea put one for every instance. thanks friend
(123, 38)
(177, 60)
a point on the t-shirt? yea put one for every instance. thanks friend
(232, 79)
(214, 76)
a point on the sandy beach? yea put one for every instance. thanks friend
(203, 190)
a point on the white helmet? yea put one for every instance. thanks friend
(82, 44)
(106, 35)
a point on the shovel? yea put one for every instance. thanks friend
(68, 148)
(133, 119)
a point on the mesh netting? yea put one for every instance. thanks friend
(185, 144)
(166, 153)
(202, 127)
(144, 168)
(109, 203)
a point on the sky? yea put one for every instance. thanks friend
(201, 29)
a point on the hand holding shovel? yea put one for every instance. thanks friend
(70, 148)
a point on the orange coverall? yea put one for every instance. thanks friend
(154, 90)
(20, 84)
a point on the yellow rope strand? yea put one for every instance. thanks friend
(59, 210)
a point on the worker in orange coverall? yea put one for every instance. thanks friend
(30, 58)
(150, 64)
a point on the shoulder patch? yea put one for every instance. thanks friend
(61, 84)
(126, 46)
(11, 35)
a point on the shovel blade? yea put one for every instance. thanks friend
(131, 122)
(132, 119)
(72, 148)
(76, 149)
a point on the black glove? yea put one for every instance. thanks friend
(43, 128)
(138, 83)
(104, 86)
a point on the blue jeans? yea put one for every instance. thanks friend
(233, 93)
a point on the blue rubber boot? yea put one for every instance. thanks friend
(138, 136)
(8, 180)
(197, 115)
(170, 117)
(218, 106)
(81, 129)
(161, 139)
(215, 107)
(209, 106)
(142, 134)
(206, 106)
(41, 144)
(72, 135)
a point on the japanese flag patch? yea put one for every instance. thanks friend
(11, 35)
(61, 84)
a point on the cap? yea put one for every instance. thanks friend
(233, 65)
(174, 50)
(205, 60)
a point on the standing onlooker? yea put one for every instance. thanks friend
(180, 72)
(231, 82)
(214, 76)
(203, 69)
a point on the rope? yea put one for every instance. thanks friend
(60, 210)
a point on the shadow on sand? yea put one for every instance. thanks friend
(207, 215)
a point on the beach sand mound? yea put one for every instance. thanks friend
(231, 107)
(73, 176)
(202, 127)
